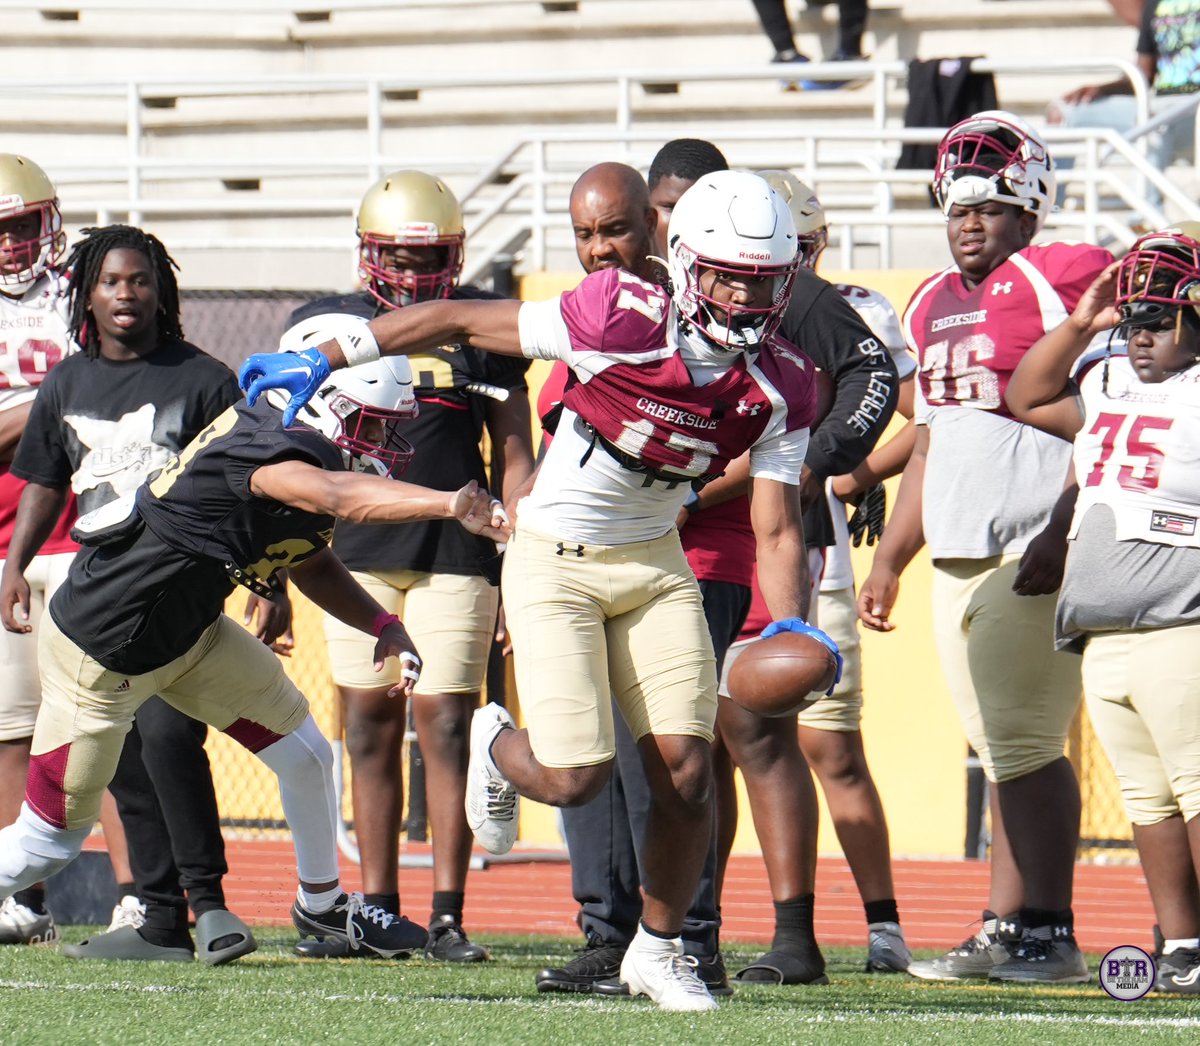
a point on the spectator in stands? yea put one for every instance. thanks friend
(1168, 55)
(979, 489)
(32, 300)
(852, 23)
(441, 579)
(103, 421)
(1129, 596)
(616, 225)
(767, 751)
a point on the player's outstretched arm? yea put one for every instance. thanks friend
(488, 325)
(362, 498)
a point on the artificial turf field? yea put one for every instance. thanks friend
(271, 997)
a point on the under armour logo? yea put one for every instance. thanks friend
(1001, 288)
(748, 408)
(1004, 927)
(1062, 931)
(563, 550)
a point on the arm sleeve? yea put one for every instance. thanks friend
(1146, 42)
(865, 380)
(543, 331)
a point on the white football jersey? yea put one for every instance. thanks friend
(1138, 452)
(33, 338)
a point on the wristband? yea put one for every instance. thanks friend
(359, 346)
(382, 620)
(691, 502)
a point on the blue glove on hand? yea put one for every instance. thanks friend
(299, 374)
(798, 624)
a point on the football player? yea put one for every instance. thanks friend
(103, 420)
(599, 596)
(141, 612)
(434, 574)
(1129, 595)
(987, 484)
(33, 311)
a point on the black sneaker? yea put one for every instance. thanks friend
(448, 942)
(710, 969)
(597, 961)
(1179, 972)
(363, 928)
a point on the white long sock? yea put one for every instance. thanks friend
(32, 850)
(303, 762)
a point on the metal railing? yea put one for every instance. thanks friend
(851, 166)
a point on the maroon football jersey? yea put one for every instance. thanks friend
(634, 389)
(970, 341)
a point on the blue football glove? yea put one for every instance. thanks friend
(299, 374)
(798, 624)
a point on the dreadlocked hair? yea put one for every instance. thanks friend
(84, 264)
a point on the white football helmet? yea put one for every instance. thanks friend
(358, 408)
(994, 155)
(734, 223)
(26, 191)
(812, 230)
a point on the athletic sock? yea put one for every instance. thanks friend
(658, 935)
(447, 902)
(126, 890)
(318, 903)
(794, 922)
(1175, 944)
(166, 926)
(884, 911)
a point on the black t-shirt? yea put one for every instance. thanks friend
(822, 323)
(140, 602)
(101, 427)
(446, 437)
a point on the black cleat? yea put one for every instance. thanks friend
(597, 961)
(449, 942)
(360, 928)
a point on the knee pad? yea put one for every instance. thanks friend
(32, 850)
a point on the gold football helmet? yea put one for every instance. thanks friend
(31, 236)
(414, 211)
(812, 231)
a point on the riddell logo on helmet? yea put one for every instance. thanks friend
(754, 255)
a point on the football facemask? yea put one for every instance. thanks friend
(31, 236)
(994, 156)
(412, 210)
(1160, 276)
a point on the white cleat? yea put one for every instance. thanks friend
(20, 924)
(658, 968)
(492, 804)
(129, 911)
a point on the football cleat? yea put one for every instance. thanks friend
(710, 970)
(363, 927)
(887, 951)
(20, 924)
(128, 911)
(975, 958)
(492, 803)
(658, 968)
(1044, 959)
(1179, 972)
(449, 942)
(597, 962)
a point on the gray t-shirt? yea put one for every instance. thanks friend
(990, 482)
(1113, 585)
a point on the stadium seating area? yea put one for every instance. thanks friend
(245, 133)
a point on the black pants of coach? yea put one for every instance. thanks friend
(164, 792)
(604, 837)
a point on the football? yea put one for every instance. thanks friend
(781, 675)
